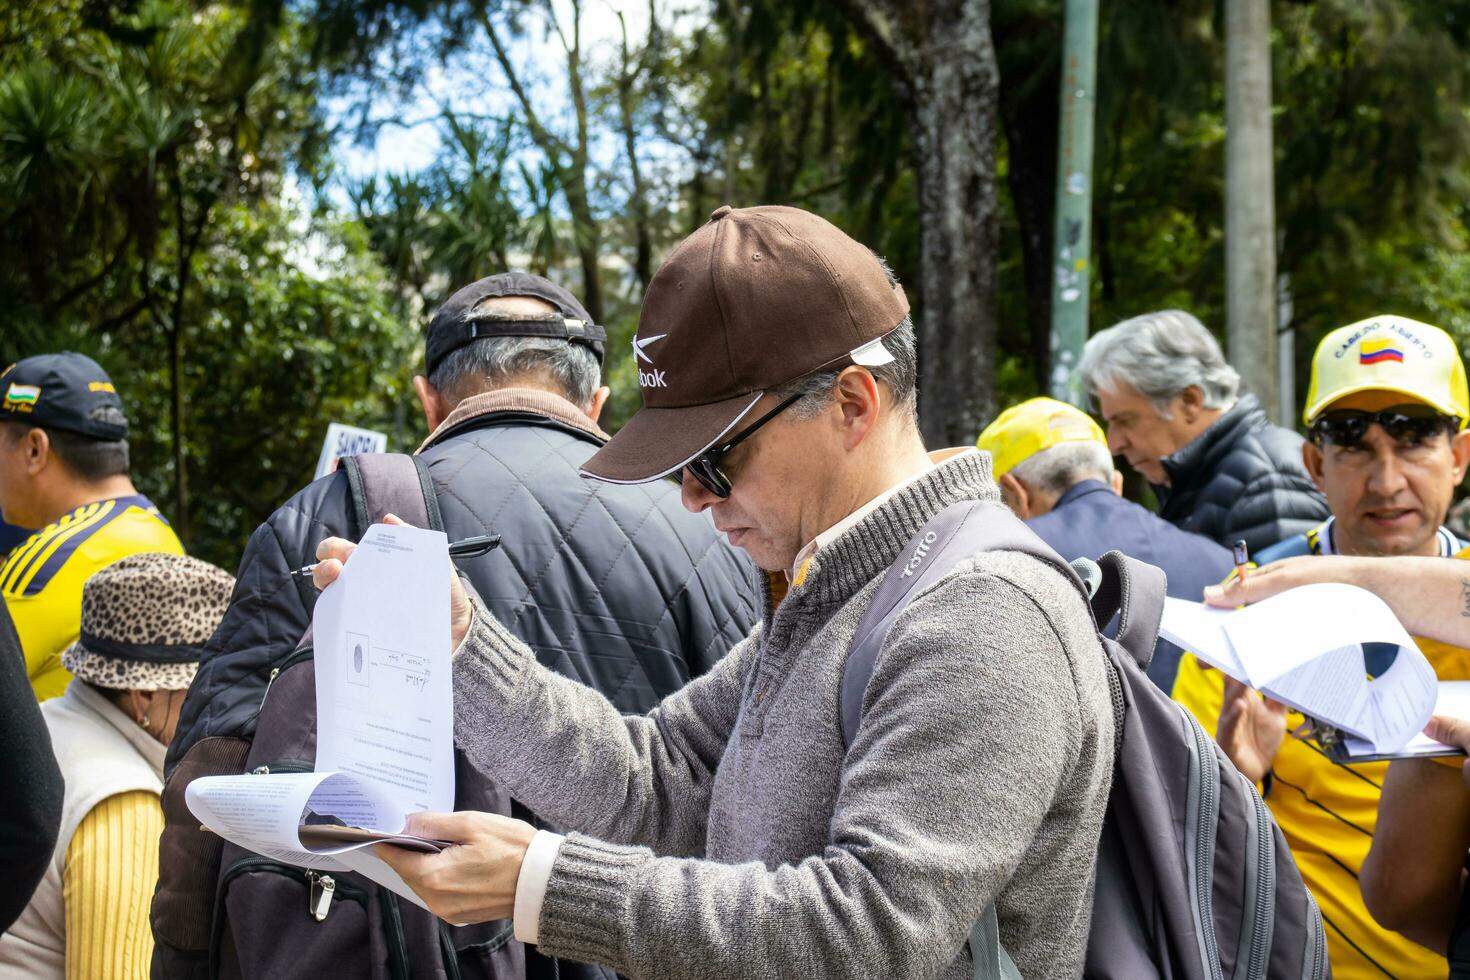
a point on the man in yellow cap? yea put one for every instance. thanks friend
(1385, 412)
(1054, 469)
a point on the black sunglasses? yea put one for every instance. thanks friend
(706, 466)
(1408, 425)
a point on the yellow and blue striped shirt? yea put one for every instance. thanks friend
(42, 578)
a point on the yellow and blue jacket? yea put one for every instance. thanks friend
(42, 578)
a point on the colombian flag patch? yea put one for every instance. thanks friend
(1378, 351)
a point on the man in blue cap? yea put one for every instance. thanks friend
(64, 469)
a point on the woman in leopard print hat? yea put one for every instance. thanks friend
(145, 619)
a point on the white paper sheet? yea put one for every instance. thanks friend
(1452, 699)
(385, 714)
(1304, 647)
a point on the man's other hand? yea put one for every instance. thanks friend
(1251, 729)
(472, 881)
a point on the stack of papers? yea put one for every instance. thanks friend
(1304, 648)
(385, 720)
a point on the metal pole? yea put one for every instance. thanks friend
(1250, 202)
(1072, 239)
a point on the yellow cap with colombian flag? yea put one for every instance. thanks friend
(1389, 353)
(1024, 430)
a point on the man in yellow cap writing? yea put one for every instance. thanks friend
(1386, 413)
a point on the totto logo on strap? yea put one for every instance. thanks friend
(652, 378)
(920, 553)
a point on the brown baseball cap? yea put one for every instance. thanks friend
(756, 298)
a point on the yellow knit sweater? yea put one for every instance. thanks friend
(107, 884)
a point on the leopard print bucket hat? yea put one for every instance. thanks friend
(145, 619)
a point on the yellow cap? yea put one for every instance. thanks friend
(1026, 429)
(1389, 353)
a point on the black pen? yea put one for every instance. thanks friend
(480, 544)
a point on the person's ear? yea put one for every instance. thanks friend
(37, 450)
(858, 402)
(1460, 449)
(1312, 459)
(1191, 403)
(598, 402)
(1015, 494)
(138, 704)
(1117, 482)
(433, 404)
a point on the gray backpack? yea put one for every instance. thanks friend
(1194, 880)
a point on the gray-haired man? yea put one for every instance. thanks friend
(1173, 409)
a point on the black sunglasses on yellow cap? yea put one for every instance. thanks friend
(1408, 425)
(706, 466)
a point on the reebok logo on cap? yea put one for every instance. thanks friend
(651, 378)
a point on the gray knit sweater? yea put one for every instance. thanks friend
(727, 834)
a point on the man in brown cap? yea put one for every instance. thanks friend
(732, 832)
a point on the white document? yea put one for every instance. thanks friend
(385, 716)
(1304, 648)
(1452, 700)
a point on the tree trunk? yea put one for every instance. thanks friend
(944, 61)
(952, 102)
(1250, 212)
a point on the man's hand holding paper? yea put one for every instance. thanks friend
(385, 731)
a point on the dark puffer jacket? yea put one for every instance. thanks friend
(616, 586)
(1241, 478)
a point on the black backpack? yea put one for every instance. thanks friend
(1194, 880)
(222, 911)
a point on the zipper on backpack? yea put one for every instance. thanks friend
(296, 657)
(320, 890)
(1261, 892)
(1319, 940)
(1206, 813)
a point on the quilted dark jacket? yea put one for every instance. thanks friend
(1241, 478)
(616, 586)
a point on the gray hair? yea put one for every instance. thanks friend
(499, 362)
(901, 374)
(1160, 354)
(1063, 466)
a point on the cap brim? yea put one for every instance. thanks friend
(1312, 411)
(659, 441)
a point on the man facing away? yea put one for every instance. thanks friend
(1056, 473)
(1386, 411)
(64, 469)
(1173, 410)
(731, 832)
(614, 586)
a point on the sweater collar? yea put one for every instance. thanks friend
(532, 400)
(86, 699)
(866, 549)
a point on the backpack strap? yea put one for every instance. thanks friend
(1133, 591)
(392, 483)
(991, 960)
(954, 534)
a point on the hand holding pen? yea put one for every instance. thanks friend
(481, 544)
